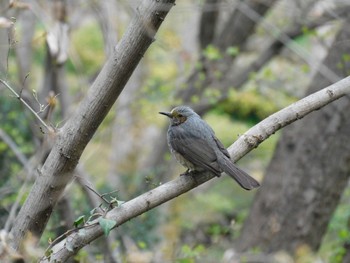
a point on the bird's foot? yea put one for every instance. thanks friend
(186, 173)
(189, 172)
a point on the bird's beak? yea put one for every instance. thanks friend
(169, 114)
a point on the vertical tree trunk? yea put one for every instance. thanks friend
(56, 56)
(308, 173)
(209, 17)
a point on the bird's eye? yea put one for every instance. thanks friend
(180, 115)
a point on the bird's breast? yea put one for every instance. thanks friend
(184, 162)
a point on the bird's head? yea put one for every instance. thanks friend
(179, 114)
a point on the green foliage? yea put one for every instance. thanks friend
(155, 89)
(232, 51)
(248, 105)
(87, 42)
(82, 256)
(212, 94)
(141, 229)
(218, 230)
(39, 46)
(308, 32)
(212, 53)
(79, 221)
(15, 124)
(305, 68)
(190, 254)
(338, 233)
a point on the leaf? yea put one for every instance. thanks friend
(120, 202)
(79, 221)
(106, 224)
(116, 201)
(93, 211)
(48, 253)
(212, 53)
(232, 51)
(142, 245)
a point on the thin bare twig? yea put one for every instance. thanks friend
(48, 128)
(64, 235)
(99, 195)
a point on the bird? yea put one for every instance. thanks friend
(194, 144)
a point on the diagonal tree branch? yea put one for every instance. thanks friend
(71, 140)
(247, 142)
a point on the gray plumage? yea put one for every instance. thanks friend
(194, 144)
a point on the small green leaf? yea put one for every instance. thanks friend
(79, 221)
(142, 245)
(120, 202)
(346, 57)
(212, 53)
(93, 211)
(232, 51)
(48, 253)
(106, 224)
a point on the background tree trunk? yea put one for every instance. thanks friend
(308, 173)
(209, 17)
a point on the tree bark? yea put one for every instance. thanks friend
(72, 139)
(308, 173)
(57, 44)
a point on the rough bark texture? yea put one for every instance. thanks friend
(308, 173)
(72, 139)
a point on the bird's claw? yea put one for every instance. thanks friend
(186, 173)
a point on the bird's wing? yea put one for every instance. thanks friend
(241, 177)
(194, 147)
(221, 147)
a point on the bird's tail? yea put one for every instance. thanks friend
(241, 177)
